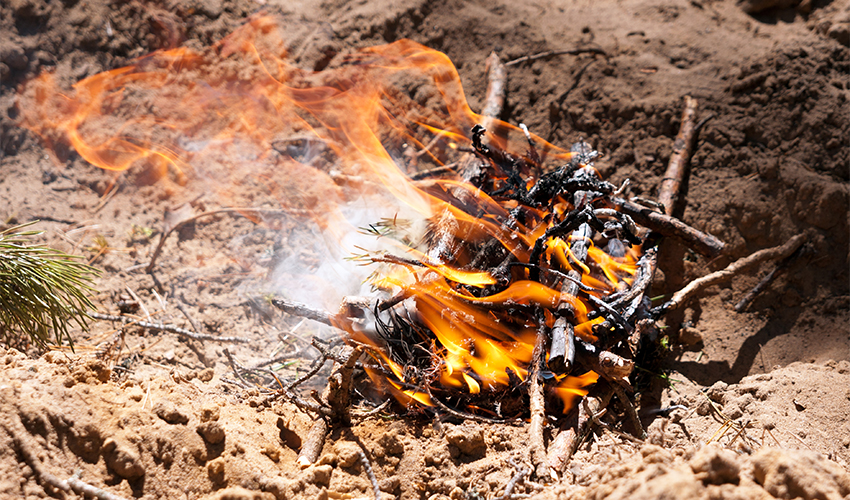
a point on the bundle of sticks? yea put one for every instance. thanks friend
(525, 292)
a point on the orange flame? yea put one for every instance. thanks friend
(225, 117)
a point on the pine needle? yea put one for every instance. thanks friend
(42, 290)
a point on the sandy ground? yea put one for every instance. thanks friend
(146, 414)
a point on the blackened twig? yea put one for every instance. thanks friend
(700, 242)
(462, 414)
(171, 328)
(303, 310)
(630, 409)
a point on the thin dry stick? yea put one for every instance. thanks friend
(509, 489)
(778, 252)
(537, 408)
(171, 328)
(367, 466)
(15, 428)
(494, 103)
(552, 53)
(304, 311)
(312, 447)
(462, 414)
(668, 192)
(767, 280)
(236, 211)
(497, 87)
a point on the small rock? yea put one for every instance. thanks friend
(391, 443)
(206, 374)
(390, 484)
(714, 465)
(90, 372)
(468, 440)
(56, 357)
(170, 413)
(320, 475)
(347, 454)
(273, 452)
(121, 459)
(690, 336)
(210, 412)
(239, 493)
(212, 432)
(215, 470)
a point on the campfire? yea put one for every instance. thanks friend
(507, 277)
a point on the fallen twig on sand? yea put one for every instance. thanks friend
(171, 328)
(367, 466)
(768, 279)
(692, 288)
(552, 53)
(233, 211)
(10, 421)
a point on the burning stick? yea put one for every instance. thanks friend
(778, 252)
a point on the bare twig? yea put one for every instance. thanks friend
(630, 409)
(25, 444)
(367, 466)
(768, 279)
(668, 192)
(233, 211)
(172, 329)
(537, 408)
(312, 447)
(778, 252)
(235, 369)
(519, 476)
(462, 414)
(374, 411)
(594, 417)
(497, 77)
(552, 53)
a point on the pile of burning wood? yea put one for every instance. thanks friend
(526, 291)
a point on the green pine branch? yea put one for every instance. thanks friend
(42, 290)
